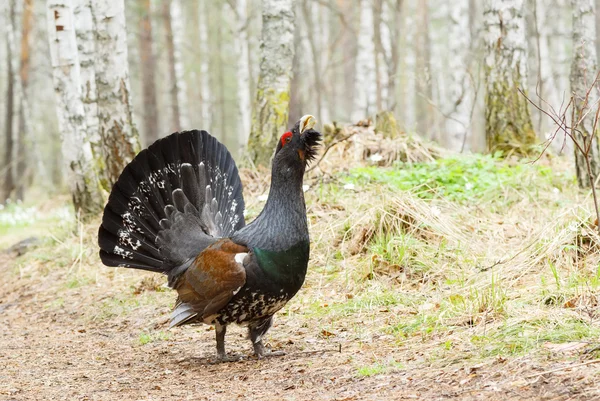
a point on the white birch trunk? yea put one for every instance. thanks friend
(76, 150)
(322, 12)
(409, 59)
(86, 49)
(365, 97)
(386, 58)
(459, 98)
(508, 120)
(117, 142)
(583, 75)
(178, 41)
(205, 91)
(242, 73)
(271, 107)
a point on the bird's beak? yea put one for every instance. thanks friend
(307, 122)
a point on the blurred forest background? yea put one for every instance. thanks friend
(195, 64)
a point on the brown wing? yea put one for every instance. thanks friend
(209, 283)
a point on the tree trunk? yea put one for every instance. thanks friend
(174, 64)
(423, 85)
(7, 165)
(271, 107)
(205, 89)
(148, 62)
(583, 74)
(86, 49)
(178, 25)
(26, 27)
(316, 53)
(365, 92)
(118, 141)
(508, 120)
(220, 68)
(379, 53)
(597, 24)
(76, 150)
(175, 124)
(394, 27)
(459, 100)
(242, 72)
(348, 42)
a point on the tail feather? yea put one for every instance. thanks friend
(174, 199)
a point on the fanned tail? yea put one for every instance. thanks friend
(172, 201)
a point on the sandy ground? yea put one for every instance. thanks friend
(56, 345)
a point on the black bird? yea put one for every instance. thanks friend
(177, 209)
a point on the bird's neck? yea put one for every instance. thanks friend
(282, 223)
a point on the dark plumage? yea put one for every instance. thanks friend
(177, 209)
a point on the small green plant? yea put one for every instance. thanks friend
(378, 368)
(146, 338)
(460, 178)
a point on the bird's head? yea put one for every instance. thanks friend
(296, 148)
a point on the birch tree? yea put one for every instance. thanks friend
(76, 150)
(271, 106)
(6, 170)
(86, 51)
(583, 74)
(148, 66)
(459, 100)
(242, 70)
(365, 90)
(423, 84)
(178, 44)
(24, 117)
(205, 90)
(171, 14)
(508, 120)
(116, 141)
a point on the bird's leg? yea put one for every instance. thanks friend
(256, 331)
(220, 334)
(221, 355)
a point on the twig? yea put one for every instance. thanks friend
(331, 145)
(563, 368)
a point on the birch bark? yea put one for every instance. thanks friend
(22, 177)
(76, 150)
(365, 92)
(116, 141)
(178, 42)
(583, 74)
(271, 107)
(508, 120)
(205, 90)
(459, 96)
(242, 72)
(148, 67)
(7, 166)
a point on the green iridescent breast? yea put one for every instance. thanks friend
(285, 266)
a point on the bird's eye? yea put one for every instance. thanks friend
(286, 138)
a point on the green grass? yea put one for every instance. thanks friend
(147, 338)
(378, 368)
(464, 178)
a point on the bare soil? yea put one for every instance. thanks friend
(59, 343)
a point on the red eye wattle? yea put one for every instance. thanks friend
(286, 138)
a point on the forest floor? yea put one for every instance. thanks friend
(465, 277)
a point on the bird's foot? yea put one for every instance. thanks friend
(262, 352)
(223, 357)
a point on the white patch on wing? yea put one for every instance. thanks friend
(239, 258)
